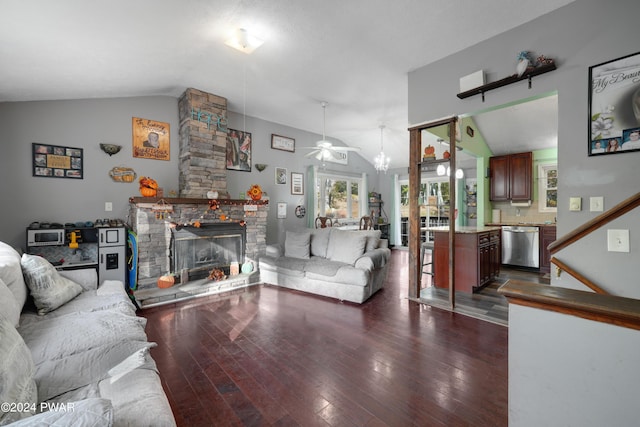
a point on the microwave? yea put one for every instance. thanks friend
(45, 237)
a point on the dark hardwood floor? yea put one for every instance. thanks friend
(265, 356)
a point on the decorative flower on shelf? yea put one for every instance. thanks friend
(214, 205)
(524, 60)
(255, 192)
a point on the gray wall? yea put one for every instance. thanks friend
(86, 123)
(570, 370)
(577, 36)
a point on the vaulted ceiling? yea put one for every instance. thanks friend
(354, 54)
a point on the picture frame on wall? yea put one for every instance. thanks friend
(238, 156)
(55, 161)
(279, 142)
(281, 176)
(151, 139)
(297, 183)
(614, 106)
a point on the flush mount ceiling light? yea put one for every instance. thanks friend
(244, 42)
(381, 162)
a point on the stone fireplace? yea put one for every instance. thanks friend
(202, 168)
(197, 251)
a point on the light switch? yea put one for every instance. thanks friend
(596, 204)
(575, 203)
(108, 206)
(618, 240)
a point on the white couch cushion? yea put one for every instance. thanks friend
(48, 288)
(11, 273)
(17, 385)
(8, 304)
(296, 244)
(346, 246)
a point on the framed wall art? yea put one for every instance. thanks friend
(281, 175)
(238, 150)
(283, 143)
(614, 106)
(151, 139)
(297, 183)
(54, 161)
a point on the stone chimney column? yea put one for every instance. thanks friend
(203, 141)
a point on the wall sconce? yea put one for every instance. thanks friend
(260, 166)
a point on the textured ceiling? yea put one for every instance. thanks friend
(353, 54)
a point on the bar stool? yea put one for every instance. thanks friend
(427, 246)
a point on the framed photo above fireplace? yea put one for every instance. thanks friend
(54, 161)
(614, 106)
(238, 150)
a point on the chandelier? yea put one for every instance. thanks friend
(381, 162)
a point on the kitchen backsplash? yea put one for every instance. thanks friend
(530, 214)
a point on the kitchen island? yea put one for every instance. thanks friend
(478, 257)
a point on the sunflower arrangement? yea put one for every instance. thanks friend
(255, 192)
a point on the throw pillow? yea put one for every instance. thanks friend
(296, 244)
(11, 273)
(8, 305)
(320, 241)
(17, 385)
(373, 239)
(346, 246)
(48, 289)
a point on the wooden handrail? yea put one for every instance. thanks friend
(610, 309)
(597, 222)
(588, 283)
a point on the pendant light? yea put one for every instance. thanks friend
(381, 162)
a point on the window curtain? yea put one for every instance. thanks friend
(363, 196)
(312, 175)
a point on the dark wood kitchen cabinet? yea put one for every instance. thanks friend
(547, 236)
(478, 256)
(511, 177)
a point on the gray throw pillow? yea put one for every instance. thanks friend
(48, 288)
(296, 244)
(17, 385)
(373, 239)
(320, 241)
(346, 246)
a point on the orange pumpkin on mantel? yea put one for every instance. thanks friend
(148, 186)
(166, 281)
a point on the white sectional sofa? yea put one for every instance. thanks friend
(347, 265)
(73, 353)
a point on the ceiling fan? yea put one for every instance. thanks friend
(324, 150)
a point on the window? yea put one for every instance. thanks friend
(432, 198)
(548, 188)
(338, 196)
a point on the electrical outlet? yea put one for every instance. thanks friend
(108, 206)
(596, 204)
(618, 240)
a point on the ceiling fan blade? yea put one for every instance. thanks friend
(346, 148)
(312, 153)
(320, 155)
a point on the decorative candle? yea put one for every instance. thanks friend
(234, 269)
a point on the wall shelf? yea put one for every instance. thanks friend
(507, 81)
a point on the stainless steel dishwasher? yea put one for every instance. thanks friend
(521, 246)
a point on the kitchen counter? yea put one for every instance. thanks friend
(464, 229)
(477, 252)
(524, 224)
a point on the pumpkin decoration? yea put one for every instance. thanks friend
(255, 192)
(429, 152)
(216, 275)
(166, 281)
(148, 186)
(446, 155)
